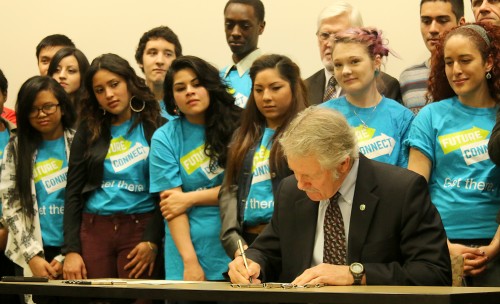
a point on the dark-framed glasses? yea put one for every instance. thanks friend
(323, 36)
(47, 109)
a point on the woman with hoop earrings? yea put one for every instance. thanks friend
(110, 227)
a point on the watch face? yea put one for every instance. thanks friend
(357, 268)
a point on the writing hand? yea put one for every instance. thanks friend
(239, 274)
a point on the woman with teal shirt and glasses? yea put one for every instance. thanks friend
(33, 178)
(188, 156)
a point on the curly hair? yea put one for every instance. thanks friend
(439, 87)
(95, 117)
(28, 138)
(372, 39)
(368, 36)
(252, 120)
(222, 115)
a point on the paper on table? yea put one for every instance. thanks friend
(162, 282)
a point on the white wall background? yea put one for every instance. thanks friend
(104, 26)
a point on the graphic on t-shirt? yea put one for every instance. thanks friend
(260, 169)
(197, 159)
(240, 100)
(373, 147)
(122, 155)
(472, 142)
(51, 175)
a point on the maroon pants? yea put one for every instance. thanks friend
(107, 240)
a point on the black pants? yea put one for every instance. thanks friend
(7, 268)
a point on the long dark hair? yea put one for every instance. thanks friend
(222, 115)
(439, 87)
(252, 121)
(29, 139)
(83, 66)
(97, 121)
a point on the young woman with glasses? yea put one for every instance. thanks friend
(33, 179)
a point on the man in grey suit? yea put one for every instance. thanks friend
(337, 17)
(391, 232)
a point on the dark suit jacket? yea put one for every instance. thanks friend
(494, 142)
(388, 86)
(398, 237)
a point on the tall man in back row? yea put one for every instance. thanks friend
(343, 219)
(322, 86)
(436, 18)
(243, 24)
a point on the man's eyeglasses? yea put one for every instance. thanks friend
(323, 36)
(47, 109)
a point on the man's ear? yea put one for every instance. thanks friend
(345, 165)
(262, 26)
(461, 21)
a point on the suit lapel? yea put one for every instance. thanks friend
(363, 208)
(316, 87)
(307, 215)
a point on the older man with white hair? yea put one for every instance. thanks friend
(343, 219)
(322, 86)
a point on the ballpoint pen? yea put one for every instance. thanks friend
(243, 255)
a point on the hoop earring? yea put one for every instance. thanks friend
(132, 107)
(488, 75)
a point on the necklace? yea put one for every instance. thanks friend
(365, 125)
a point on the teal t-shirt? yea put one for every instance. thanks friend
(260, 202)
(178, 160)
(380, 130)
(164, 113)
(4, 140)
(464, 181)
(240, 87)
(50, 175)
(125, 183)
